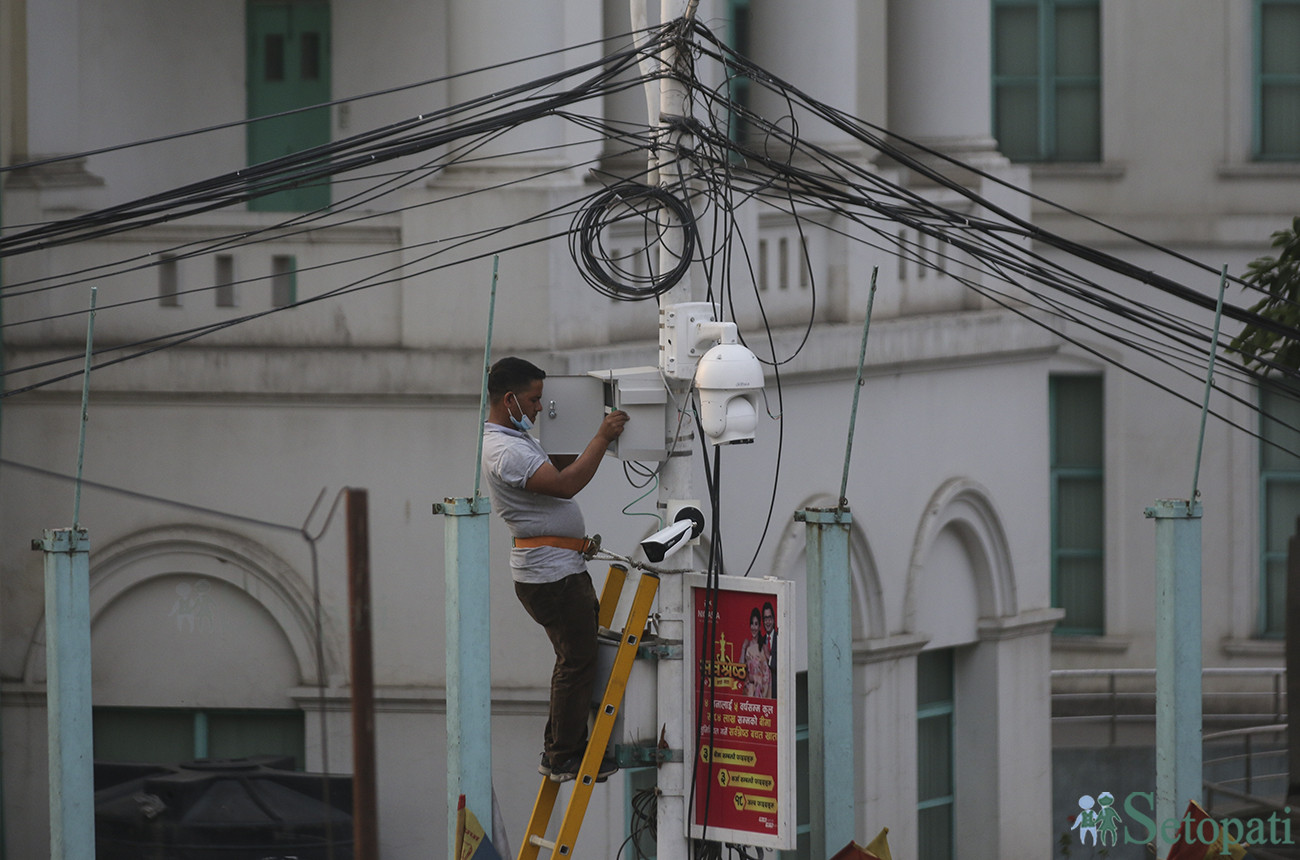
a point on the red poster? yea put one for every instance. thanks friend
(741, 757)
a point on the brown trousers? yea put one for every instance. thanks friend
(568, 610)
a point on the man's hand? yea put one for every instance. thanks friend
(562, 477)
(612, 427)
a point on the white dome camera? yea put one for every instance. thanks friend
(729, 379)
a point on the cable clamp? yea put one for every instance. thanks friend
(661, 649)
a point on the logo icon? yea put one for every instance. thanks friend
(1097, 818)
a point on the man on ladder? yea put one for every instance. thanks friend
(534, 493)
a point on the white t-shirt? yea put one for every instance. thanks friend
(510, 458)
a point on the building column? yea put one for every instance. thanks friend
(885, 722)
(1003, 737)
(940, 67)
(535, 168)
(835, 56)
(482, 33)
(45, 118)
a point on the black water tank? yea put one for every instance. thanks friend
(231, 809)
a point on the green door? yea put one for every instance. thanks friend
(288, 68)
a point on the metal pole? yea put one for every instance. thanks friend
(1178, 658)
(1209, 381)
(487, 365)
(67, 691)
(468, 625)
(469, 662)
(857, 389)
(675, 483)
(85, 407)
(831, 785)
(365, 829)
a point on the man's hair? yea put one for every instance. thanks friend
(512, 374)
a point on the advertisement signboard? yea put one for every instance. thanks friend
(740, 711)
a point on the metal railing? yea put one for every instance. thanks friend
(1115, 697)
(1253, 772)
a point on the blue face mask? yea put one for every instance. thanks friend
(523, 424)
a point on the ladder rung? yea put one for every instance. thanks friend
(542, 843)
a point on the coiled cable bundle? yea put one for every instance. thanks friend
(629, 271)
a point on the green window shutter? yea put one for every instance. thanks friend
(148, 735)
(288, 67)
(1279, 479)
(935, 794)
(1047, 79)
(1078, 504)
(741, 31)
(1277, 80)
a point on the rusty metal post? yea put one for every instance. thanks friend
(365, 830)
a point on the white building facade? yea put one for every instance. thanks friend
(983, 431)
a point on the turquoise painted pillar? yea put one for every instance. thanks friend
(830, 679)
(67, 692)
(469, 661)
(1178, 658)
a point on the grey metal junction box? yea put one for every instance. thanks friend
(574, 406)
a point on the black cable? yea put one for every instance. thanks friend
(643, 206)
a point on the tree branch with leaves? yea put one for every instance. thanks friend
(1279, 278)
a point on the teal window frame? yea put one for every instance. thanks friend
(1279, 484)
(1054, 87)
(936, 712)
(1077, 490)
(802, 788)
(288, 67)
(130, 733)
(1276, 78)
(739, 36)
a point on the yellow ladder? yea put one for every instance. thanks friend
(646, 586)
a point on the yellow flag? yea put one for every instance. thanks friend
(880, 845)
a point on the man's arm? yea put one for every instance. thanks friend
(566, 481)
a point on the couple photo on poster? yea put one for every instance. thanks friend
(758, 653)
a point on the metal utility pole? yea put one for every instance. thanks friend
(468, 627)
(674, 476)
(831, 750)
(67, 663)
(67, 692)
(1178, 657)
(469, 661)
(1179, 663)
(365, 825)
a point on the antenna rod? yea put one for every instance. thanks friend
(85, 403)
(483, 392)
(1209, 383)
(857, 389)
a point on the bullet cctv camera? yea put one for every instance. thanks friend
(688, 524)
